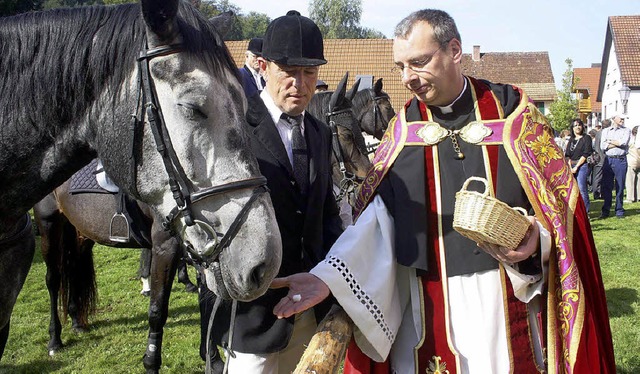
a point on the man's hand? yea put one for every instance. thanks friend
(305, 291)
(527, 247)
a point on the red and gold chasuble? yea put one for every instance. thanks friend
(577, 336)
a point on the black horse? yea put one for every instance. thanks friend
(353, 116)
(373, 110)
(70, 225)
(335, 108)
(151, 90)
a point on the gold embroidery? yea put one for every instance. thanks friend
(437, 367)
(544, 148)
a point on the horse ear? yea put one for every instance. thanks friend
(377, 88)
(223, 22)
(352, 92)
(160, 17)
(339, 94)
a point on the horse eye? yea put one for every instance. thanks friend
(191, 111)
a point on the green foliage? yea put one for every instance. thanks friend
(564, 108)
(13, 7)
(118, 331)
(340, 19)
(247, 26)
(253, 25)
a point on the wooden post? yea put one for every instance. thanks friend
(328, 345)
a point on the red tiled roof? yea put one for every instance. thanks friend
(626, 39)
(589, 79)
(529, 70)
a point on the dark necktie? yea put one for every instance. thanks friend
(299, 152)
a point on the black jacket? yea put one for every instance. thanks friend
(308, 228)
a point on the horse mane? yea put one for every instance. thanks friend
(363, 97)
(59, 62)
(319, 104)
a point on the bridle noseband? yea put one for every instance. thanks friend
(180, 185)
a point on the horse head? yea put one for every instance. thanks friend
(155, 95)
(224, 22)
(349, 160)
(212, 193)
(372, 107)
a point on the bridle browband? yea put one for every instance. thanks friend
(180, 185)
(349, 181)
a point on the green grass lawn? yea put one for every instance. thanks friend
(117, 339)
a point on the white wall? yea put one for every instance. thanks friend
(611, 103)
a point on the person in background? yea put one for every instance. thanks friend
(562, 139)
(251, 78)
(424, 298)
(615, 144)
(294, 153)
(632, 185)
(321, 86)
(596, 173)
(578, 148)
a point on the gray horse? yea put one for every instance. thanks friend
(151, 90)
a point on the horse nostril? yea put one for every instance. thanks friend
(257, 275)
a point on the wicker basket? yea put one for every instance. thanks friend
(483, 218)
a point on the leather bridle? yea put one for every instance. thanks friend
(181, 187)
(349, 181)
(377, 115)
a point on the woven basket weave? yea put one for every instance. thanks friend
(483, 218)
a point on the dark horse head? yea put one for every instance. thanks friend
(372, 108)
(349, 157)
(150, 89)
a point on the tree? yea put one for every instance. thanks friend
(13, 7)
(340, 19)
(247, 26)
(564, 108)
(254, 25)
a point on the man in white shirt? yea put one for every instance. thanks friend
(294, 151)
(615, 144)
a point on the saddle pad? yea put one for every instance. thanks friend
(84, 180)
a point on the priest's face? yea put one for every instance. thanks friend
(429, 70)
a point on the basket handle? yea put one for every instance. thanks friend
(521, 210)
(479, 179)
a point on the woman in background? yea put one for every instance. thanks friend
(578, 148)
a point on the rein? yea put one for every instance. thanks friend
(349, 181)
(179, 183)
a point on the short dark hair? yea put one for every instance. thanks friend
(444, 27)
